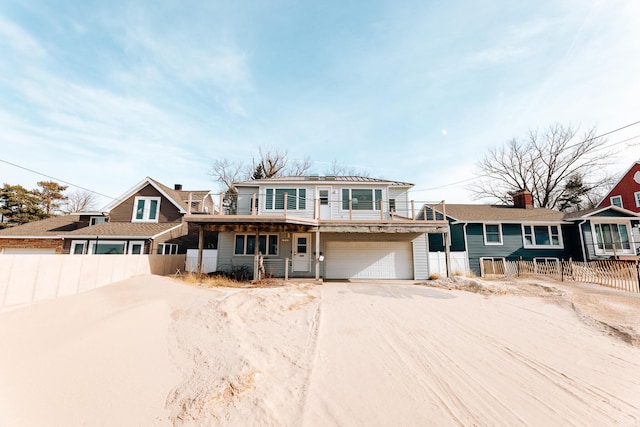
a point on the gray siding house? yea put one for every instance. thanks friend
(332, 227)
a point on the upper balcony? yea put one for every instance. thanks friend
(358, 213)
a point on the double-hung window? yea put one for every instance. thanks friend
(146, 209)
(246, 244)
(636, 196)
(296, 198)
(492, 234)
(361, 199)
(616, 201)
(542, 236)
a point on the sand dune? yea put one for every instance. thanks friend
(154, 351)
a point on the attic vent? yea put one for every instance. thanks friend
(177, 187)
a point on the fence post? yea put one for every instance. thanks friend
(638, 274)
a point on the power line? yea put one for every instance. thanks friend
(570, 146)
(57, 179)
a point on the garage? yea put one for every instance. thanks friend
(368, 260)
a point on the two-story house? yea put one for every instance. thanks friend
(626, 192)
(147, 219)
(334, 227)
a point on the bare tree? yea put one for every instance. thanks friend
(226, 172)
(299, 167)
(543, 164)
(337, 169)
(80, 201)
(270, 163)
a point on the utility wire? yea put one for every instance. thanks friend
(57, 179)
(570, 146)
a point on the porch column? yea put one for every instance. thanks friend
(200, 247)
(256, 255)
(317, 255)
(447, 254)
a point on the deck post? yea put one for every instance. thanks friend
(254, 208)
(413, 209)
(200, 248)
(350, 209)
(286, 202)
(221, 210)
(381, 210)
(317, 255)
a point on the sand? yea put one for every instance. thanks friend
(154, 351)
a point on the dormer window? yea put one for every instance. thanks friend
(146, 209)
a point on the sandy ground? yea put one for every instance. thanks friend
(154, 351)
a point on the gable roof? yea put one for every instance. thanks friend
(50, 227)
(179, 198)
(623, 176)
(587, 213)
(501, 213)
(306, 179)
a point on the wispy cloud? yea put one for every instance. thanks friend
(19, 39)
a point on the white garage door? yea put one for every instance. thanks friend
(369, 260)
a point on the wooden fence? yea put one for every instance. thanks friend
(623, 275)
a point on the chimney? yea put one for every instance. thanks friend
(523, 199)
(177, 187)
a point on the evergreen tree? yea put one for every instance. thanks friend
(51, 197)
(19, 206)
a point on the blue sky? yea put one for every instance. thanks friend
(102, 94)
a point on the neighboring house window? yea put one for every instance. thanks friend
(246, 244)
(98, 220)
(616, 201)
(492, 234)
(296, 198)
(146, 209)
(361, 199)
(546, 265)
(492, 265)
(102, 247)
(136, 247)
(392, 205)
(636, 195)
(167, 248)
(78, 247)
(542, 236)
(611, 239)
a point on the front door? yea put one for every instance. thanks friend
(325, 207)
(301, 254)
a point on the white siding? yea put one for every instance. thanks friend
(421, 257)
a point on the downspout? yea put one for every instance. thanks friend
(584, 255)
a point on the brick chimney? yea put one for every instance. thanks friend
(523, 199)
(177, 187)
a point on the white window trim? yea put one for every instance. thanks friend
(135, 242)
(296, 195)
(74, 243)
(147, 205)
(484, 234)
(171, 246)
(616, 197)
(636, 196)
(92, 244)
(245, 244)
(375, 208)
(493, 258)
(93, 218)
(594, 238)
(535, 246)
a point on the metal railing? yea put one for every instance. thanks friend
(286, 204)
